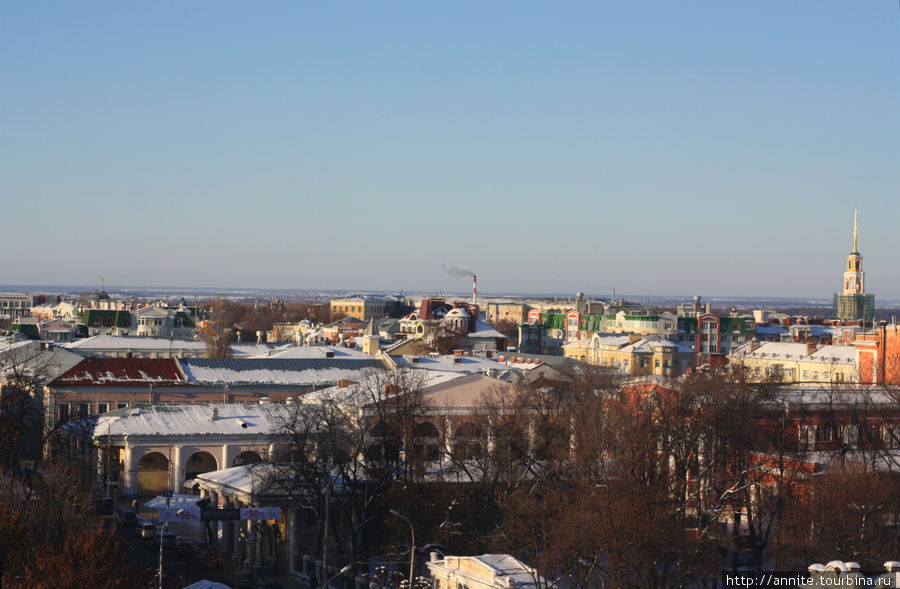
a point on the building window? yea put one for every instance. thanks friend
(121, 404)
(102, 408)
(84, 409)
(64, 411)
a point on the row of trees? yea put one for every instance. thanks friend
(588, 479)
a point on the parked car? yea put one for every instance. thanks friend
(127, 518)
(104, 505)
(147, 530)
(169, 539)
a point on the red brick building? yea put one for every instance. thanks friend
(879, 355)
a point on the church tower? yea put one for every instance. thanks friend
(853, 304)
(370, 339)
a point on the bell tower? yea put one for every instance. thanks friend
(854, 277)
(853, 303)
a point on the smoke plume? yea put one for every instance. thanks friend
(456, 270)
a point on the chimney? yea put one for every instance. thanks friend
(811, 348)
(474, 289)
(215, 414)
(754, 345)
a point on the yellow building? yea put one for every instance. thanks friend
(797, 362)
(358, 307)
(633, 355)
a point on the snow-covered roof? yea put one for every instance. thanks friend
(770, 329)
(274, 371)
(314, 352)
(485, 330)
(499, 570)
(254, 350)
(171, 420)
(797, 351)
(32, 356)
(833, 397)
(152, 311)
(125, 343)
(648, 344)
(834, 355)
(450, 363)
(426, 378)
(243, 479)
(608, 339)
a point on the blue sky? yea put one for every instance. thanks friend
(714, 148)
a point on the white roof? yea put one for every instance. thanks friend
(291, 351)
(289, 376)
(450, 363)
(649, 343)
(826, 396)
(834, 355)
(429, 378)
(169, 420)
(240, 478)
(797, 351)
(152, 311)
(253, 350)
(485, 330)
(504, 569)
(125, 343)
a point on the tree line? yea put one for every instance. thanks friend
(593, 479)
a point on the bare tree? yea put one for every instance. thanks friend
(28, 419)
(48, 516)
(348, 447)
(218, 335)
(849, 513)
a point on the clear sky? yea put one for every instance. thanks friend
(714, 148)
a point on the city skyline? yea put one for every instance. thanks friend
(699, 149)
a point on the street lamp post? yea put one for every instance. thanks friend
(162, 533)
(346, 569)
(412, 548)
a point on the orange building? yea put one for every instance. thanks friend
(879, 355)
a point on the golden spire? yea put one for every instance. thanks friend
(854, 231)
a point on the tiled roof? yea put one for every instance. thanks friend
(122, 371)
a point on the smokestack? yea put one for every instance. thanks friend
(474, 289)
